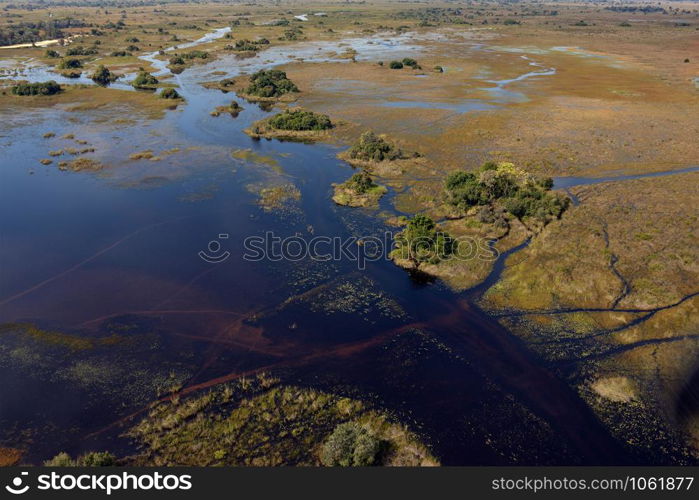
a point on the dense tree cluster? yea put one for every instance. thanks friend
(422, 241)
(270, 83)
(28, 32)
(299, 119)
(351, 445)
(371, 147)
(38, 88)
(518, 192)
(646, 9)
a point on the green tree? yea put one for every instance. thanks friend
(421, 241)
(351, 445)
(361, 182)
(102, 76)
(169, 93)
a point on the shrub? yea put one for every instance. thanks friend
(196, 54)
(80, 51)
(70, 63)
(90, 459)
(144, 80)
(299, 119)
(245, 45)
(371, 147)
(396, 65)
(169, 93)
(120, 53)
(176, 60)
(96, 459)
(102, 76)
(349, 445)
(410, 62)
(39, 88)
(60, 460)
(52, 54)
(270, 83)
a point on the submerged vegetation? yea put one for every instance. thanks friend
(232, 109)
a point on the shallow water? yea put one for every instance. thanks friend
(118, 252)
(569, 182)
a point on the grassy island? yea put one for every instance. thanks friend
(358, 191)
(284, 425)
(292, 124)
